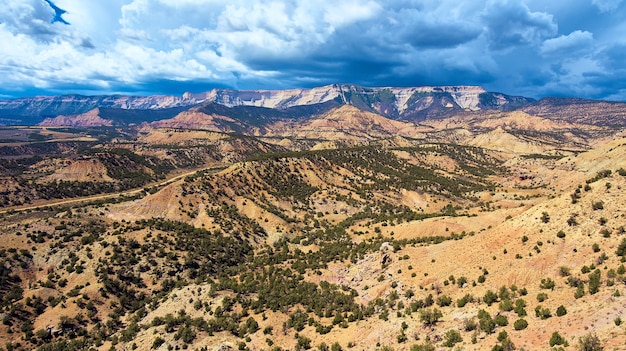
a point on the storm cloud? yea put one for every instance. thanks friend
(522, 47)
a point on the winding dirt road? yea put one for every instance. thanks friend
(130, 192)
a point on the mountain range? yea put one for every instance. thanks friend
(409, 104)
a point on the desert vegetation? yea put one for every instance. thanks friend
(281, 244)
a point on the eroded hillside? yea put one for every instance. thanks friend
(399, 243)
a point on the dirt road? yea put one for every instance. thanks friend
(112, 195)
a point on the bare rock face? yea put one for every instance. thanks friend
(34, 109)
(388, 101)
(385, 253)
(88, 119)
(403, 103)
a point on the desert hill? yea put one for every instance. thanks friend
(340, 217)
(345, 123)
(420, 244)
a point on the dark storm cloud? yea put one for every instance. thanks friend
(441, 35)
(613, 58)
(511, 24)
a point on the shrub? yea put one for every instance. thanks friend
(541, 297)
(598, 205)
(547, 283)
(303, 343)
(444, 300)
(621, 249)
(504, 294)
(594, 282)
(423, 347)
(519, 307)
(402, 337)
(469, 324)
(452, 337)
(464, 300)
(520, 324)
(430, 316)
(501, 320)
(589, 342)
(571, 221)
(490, 297)
(461, 281)
(487, 324)
(542, 312)
(557, 339)
(580, 291)
(561, 311)
(506, 305)
(157, 342)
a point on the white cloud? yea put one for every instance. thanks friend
(606, 5)
(575, 43)
(135, 34)
(274, 43)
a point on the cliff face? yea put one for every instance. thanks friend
(403, 103)
(392, 102)
(88, 119)
(33, 110)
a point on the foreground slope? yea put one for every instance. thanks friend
(380, 245)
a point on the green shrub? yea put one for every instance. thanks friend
(621, 249)
(594, 282)
(157, 342)
(542, 312)
(444, 301)
(520, 324)
(506, 305)
(487, 324)
(547, 283)
(541, 297)
(430, 316)
(423, 347)
(452, 337)
(589, 342)
(501, 320)
(490, 297)
(557, 339)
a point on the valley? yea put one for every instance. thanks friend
(336, 218)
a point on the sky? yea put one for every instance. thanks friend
(533, 48)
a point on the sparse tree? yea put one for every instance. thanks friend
(430, 316)
(589, 342)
